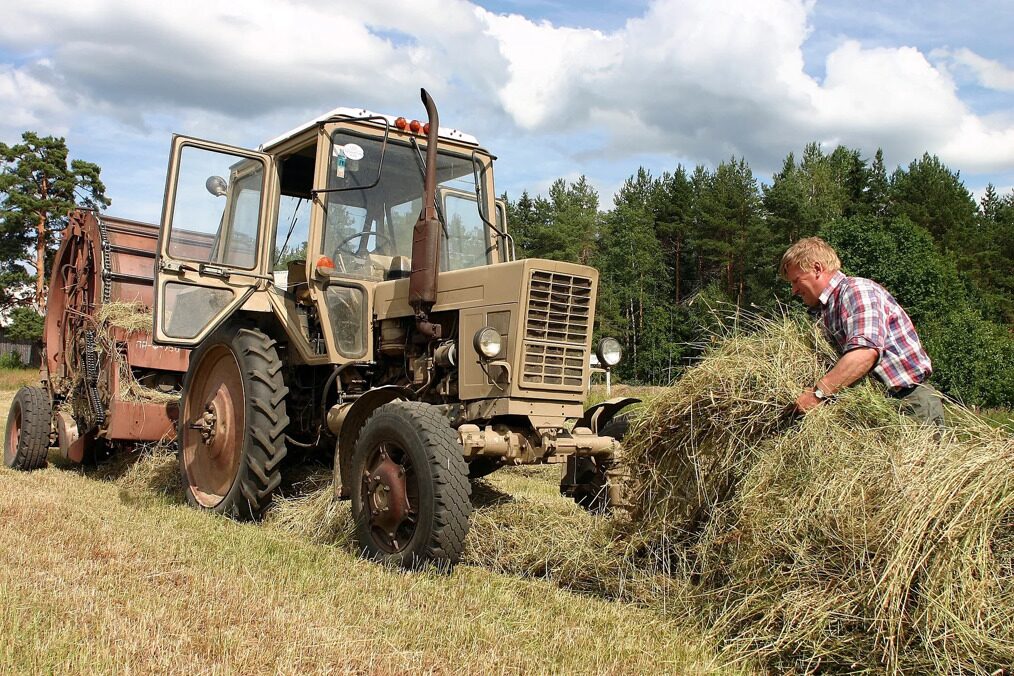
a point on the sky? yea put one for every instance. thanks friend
(554, 89)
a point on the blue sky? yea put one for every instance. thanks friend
(555, 89)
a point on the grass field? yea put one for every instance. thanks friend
(96, 576)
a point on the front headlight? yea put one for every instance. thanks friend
(487, 342)
(609, 352)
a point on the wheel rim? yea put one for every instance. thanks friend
(13, 435)
(390, 497)
(214, 425)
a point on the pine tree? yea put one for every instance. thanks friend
(933, 196)
(672, 206)
(576, 220)
(876, 196)
(37, 190)
(733, 237)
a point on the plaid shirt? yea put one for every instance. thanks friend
(858, 312)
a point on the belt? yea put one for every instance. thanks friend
(902, 392)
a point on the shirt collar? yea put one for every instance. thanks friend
(836, 279)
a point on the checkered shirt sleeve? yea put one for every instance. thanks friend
(861, 313)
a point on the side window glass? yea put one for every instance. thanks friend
(292, 232)
(466, 233)
(216, 208)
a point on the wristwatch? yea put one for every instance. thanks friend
(818, 394)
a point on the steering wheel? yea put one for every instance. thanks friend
(341, 249)
(382, 240)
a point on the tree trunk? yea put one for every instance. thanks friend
(679, 252)
(40, 252)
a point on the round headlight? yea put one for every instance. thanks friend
(487, 342)
(609, 352)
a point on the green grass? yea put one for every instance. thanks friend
(999, 417)
(96, 576)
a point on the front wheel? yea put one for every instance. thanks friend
(26, 443)
(409, 484)
(232, 424)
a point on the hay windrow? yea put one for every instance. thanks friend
(849, 539)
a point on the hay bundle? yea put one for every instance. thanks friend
(132, 316)
(850, 539)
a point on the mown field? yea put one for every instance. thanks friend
(100, 572)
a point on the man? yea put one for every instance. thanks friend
(869, 328)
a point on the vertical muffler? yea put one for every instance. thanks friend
(422, 293)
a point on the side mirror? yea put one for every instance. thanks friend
(216, 185)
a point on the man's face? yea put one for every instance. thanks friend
(808, 283)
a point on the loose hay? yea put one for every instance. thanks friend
(850, 539)
(313, 514)
(130, 316)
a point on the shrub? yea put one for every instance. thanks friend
(973, 358)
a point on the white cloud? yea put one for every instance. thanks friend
(29, 103)
(707, 80)
(989, 73)
(688, 80)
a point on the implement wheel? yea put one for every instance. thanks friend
(483, 466)
(26, 443)
(410, 489)
(232, 424)
(592, 484)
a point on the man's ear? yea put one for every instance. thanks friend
(818, 268)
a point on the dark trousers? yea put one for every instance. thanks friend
(922, 402)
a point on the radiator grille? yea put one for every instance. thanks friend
(556, 330)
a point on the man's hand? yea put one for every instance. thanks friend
(806, 401)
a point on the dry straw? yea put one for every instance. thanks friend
(131, 317)
(851, 539)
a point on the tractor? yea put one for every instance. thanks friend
(350, 288)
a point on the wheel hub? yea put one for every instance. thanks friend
(387, 500)
(207, 424)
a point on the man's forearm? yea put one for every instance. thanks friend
(852, 366)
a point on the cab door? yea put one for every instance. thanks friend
(214, 242)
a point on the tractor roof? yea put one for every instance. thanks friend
(351, 113)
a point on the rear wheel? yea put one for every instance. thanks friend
(26, 443)
(232, 424)
(409, 484)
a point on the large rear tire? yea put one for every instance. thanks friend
(410, 490)
(232, 424)
(26, 444)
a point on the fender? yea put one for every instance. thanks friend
(599, 415)
(347, 420)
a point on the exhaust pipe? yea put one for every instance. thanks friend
(422, 293)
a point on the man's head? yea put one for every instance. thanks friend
(808, 266)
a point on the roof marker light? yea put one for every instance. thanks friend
(415, 126)
(401, 123)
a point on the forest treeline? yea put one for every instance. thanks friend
(675, 245)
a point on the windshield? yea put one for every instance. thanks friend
(368, 222)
